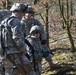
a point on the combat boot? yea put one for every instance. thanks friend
(54, 66)
(51, 64)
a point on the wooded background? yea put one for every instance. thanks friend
(59, 20)
(56, 16)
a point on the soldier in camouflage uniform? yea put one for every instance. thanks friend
(27, 22)
(15, 45)
(34, 40)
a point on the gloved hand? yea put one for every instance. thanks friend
(43, 42)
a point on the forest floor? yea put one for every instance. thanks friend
(60, 46)
(65, 58)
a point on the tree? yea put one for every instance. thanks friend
(6, 4)
(35, 1)
(44, 5)
(66, 18)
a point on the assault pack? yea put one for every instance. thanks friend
(4, 29)
(3, 14)
(3, 32)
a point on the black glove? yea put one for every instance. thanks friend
(43, 42)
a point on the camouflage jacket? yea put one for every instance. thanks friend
(36, 44)
(16, 35)
(27, 24)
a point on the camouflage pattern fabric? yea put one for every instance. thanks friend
(18, 37)
(38, 53)
(27, 24)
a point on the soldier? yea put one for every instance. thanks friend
(34, 40)
(14, 44)
(27, 22)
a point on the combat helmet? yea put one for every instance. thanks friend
(30, 10)
(18, 6)
(35, 28)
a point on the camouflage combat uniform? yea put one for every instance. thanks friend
(28, 23)
(15, 44)
(36, 44)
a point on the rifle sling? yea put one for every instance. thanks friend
(32, 53)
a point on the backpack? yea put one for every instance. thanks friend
(4, 14)
(3, 32)
(1, 49)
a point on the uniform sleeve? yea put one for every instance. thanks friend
(29, 50)
(17, 34)
(23, 26)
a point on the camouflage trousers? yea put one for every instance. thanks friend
(38, 67)
(9, 66)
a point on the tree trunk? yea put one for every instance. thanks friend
(8, 4)
(70, 38)
(67, 22)
(68, 28)
(47, 30)
(71, 10)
